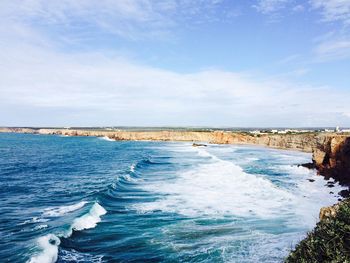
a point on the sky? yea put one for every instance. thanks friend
(220, 63)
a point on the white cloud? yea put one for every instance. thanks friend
(131, 19)
(41, 84)
(116, 91)
(334, 45)
(298, 8)
(333, 49)
(270, 6)
(333, 10)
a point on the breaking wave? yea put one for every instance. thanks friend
(49, 249)
(106, 138)
(88, 220)
(218, 188)
(62, 210)
(48, 244)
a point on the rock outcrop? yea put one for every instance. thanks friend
(329, 212)
(331, 157)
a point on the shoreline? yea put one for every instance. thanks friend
(330, 157)
(330, 151)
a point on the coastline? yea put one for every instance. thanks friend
(330, 151)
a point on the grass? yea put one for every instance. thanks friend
(328, 242)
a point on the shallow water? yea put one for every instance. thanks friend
(86, 199)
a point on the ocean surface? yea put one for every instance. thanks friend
(87, 199)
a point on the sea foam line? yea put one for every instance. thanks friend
(62, 210)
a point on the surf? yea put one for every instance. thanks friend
(48, 245)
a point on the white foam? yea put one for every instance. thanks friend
(49, 249)
(106, 138)
(132, 168)
(203, 153)
(62, 210)
(313, 194)
(34, 220)
(49, 244)
(39, 227)
(218, 188)
(252, 159)
(88, 220)
(295, 169)
(75, 256)
(128, 178)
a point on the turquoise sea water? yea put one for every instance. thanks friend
(86, 199)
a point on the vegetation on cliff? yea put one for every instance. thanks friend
(329, 241)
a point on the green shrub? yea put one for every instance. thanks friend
(328, 242)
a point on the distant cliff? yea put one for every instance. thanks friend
(331, 152)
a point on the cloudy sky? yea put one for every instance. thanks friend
(175, 62)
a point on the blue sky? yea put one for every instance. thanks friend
(175, 62)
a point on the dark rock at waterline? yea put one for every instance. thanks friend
(199, 145)
(344, 193)
(311, 180)
(307, 165)
(330, 184)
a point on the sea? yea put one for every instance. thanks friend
(92, 199)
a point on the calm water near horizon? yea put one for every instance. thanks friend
(88, 199)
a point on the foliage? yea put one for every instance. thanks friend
(328, 242)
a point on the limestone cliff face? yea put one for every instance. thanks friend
(329, 212)
(302, 142)
(19, 130)
(331, 152)
(332, 157)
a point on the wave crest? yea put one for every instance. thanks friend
(88, 220)
(49, 246)
(62, 210)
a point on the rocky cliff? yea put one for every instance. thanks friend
(331, 152)
(331, 156)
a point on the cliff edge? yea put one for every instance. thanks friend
(331, 157)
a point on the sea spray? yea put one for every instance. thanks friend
(218, 188)
(88, 220)
(49, 244)
(106, 138)
(132, 168)
(62, 210)
(49, 249)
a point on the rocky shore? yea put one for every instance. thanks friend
(331, 151)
